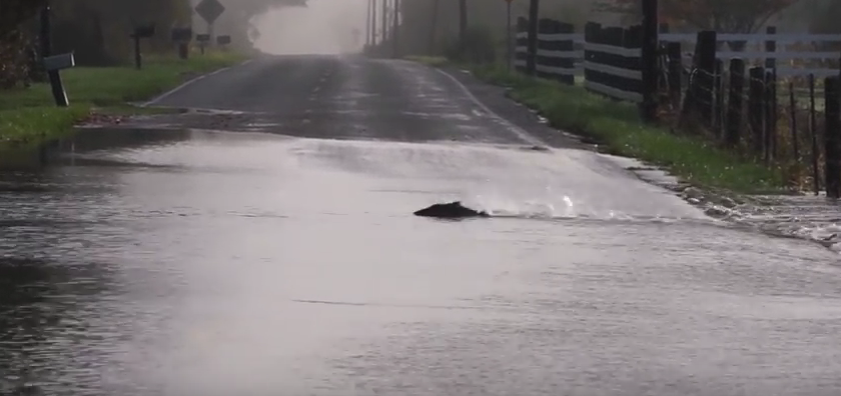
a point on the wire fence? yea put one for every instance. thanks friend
(781, 121)
(776, 105)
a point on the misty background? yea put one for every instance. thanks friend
(98, 30)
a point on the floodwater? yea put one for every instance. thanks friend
(199, 263)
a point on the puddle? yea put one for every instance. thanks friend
(66, 150)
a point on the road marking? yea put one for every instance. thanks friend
(520, 132)
(190, 82)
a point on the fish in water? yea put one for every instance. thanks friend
(452, 210)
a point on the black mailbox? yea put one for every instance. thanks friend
(144, 31)
(182, 34)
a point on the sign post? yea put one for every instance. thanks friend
(210, 11)
(203, 40)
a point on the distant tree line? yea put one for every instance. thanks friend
(432, 26)
(97, 31)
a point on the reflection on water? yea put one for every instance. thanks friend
(185, 262)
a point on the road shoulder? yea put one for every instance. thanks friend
(495, 98)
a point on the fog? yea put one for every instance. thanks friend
(323, 27)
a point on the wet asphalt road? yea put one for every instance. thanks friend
(190, 262)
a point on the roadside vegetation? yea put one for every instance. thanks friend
(696, 156)
(618, 129)
(104, 81)
(29, 114)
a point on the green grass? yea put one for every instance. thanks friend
(617, 125)
(435, 61)
(28, 115)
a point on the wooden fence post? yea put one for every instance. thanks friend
(531, 60)
(591, 33)
(792, 105)
(633, 38)
(567, 45)
(770, 47)
(520, 56)
(756, 88)
(832, 138)
(734, 102)
(649, 60)
(770, 115)
(675, 72)
(705, 76)
(813, 135)
(544, 26)
(718, 104)
(613, 36)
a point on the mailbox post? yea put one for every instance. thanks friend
(54, 64)
(141, 32)
(182, 37)
(46, 51)
(203, 40)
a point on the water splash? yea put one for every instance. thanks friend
(813, 218)
(563, 208)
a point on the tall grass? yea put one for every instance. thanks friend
(618, 127)
(30, 114)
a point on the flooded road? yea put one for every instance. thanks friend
(211, 263)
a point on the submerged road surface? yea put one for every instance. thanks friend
(216, 263)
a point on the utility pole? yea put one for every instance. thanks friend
(395, 30)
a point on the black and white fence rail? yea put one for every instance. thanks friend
(609, 58)
(558, 50)
(613, 61)
(561, 53)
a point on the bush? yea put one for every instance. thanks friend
(478, 46)
(16, 60)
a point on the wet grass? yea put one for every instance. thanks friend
(28, 115)
(617, 126)
(435, 61)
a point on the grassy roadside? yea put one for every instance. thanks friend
(30, 115)
(617, 126)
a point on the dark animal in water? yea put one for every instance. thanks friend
(452, 210)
